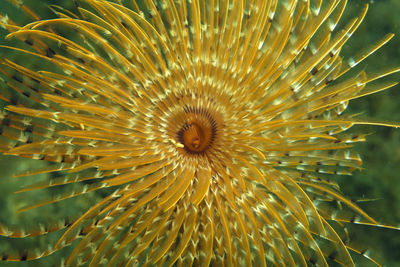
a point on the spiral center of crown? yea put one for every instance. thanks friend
(196, 137)
(198, 132)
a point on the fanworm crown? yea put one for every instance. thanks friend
(210, 130)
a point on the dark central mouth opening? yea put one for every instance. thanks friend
(198, 132)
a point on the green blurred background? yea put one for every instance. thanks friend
(379, 180)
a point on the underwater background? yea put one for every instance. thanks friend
(378, 183)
